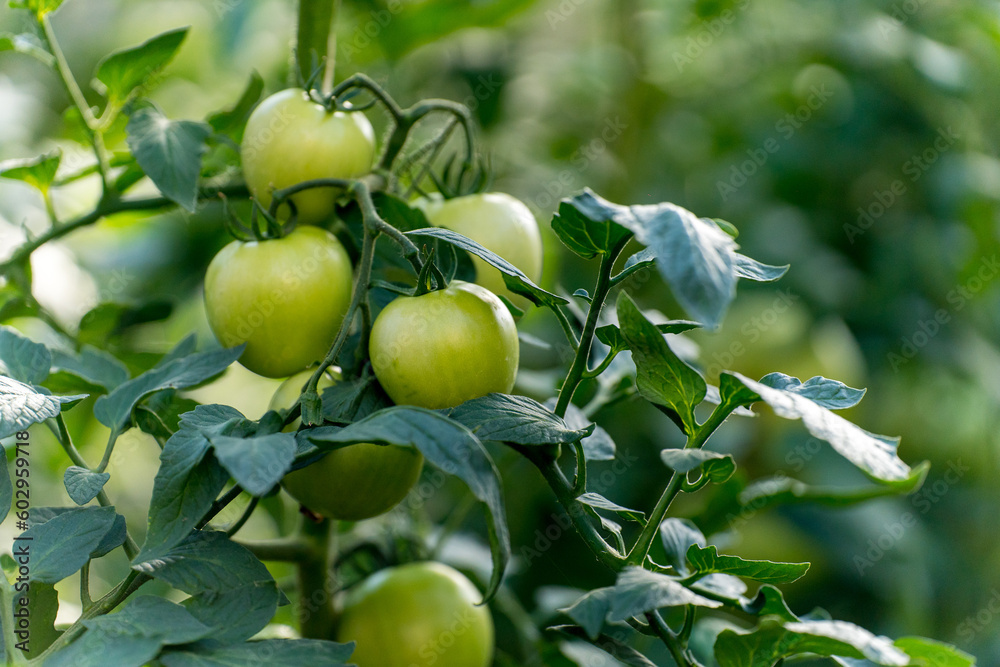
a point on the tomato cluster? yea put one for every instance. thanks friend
(287, 297)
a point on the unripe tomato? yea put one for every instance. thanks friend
(417, 615)
(285, 298)
(445, 347)
(353, 483)
(290, 139)
(500, 223)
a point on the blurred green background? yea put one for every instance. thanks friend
(856, 141)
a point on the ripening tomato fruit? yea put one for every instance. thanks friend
(353, 483)
(444, 347)
(285, 298)
(498, 222)
(417, 615)
(289, 139)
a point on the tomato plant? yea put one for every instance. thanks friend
(428, 372)
(417, 614)
(289, 138)
(445, 347)
(285, 298)
(499, 223)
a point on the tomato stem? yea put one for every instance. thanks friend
(316, 614)
(315, 41)
(579, 365)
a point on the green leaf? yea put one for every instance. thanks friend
(120, 73)
(112, 540)
(22, 359)
(934, 653)
(188, 480)
(874, 455)
(160, 413)
(768, 602)
(43, 607)
(232, 121)
(115, 409)
(448, 445)
(207, 561)
(694, 256)
(61, 545)
(151, 616)
(513, 277)
(38, 171)
(707, 560)
(751, 269)
(829, 394)
(279, 652)
(612, 336)
(597, 501)
(781, 490)
(236, 614)
(27, 44)
(257, 463)
(108, 320)
(517, 419)
(585, 224)
(635, 592)
(169, 152)
(351, 400)
(97, 648)
(661, 377)
(772, 641)
(91, 370)
(735, 395)
(83, 485)
(6, 490)
(22, 405)
(677, 537)
(718, 467)
(226, 580)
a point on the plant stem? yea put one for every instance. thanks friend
(104, 209)
(664, 632)
(316, 618)
(641, 547)
(315, 41)
(79, 101)
(219, 504)
(605, 553)
(85, 600)
(579, 365)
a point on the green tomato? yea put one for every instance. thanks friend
(417, 615)
(290, 139)
(353, 483)
(285, 298)
(500, 223)
(445, 347)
